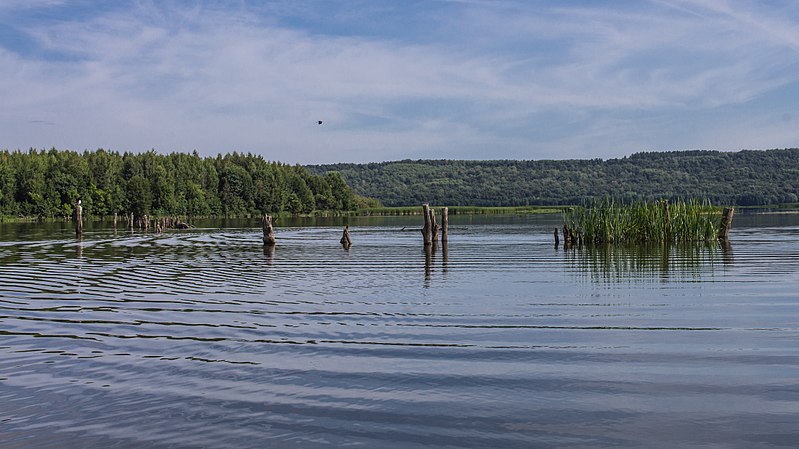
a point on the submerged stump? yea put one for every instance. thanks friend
(434, 230)
(427, 231)
(726, 223)
(269, 232)
(78, 220)
(345, 241)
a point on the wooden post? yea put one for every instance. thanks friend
(726, 223)
(78, 220)
(444, 224)
(345, 241)
(269, 233)
(434, 230)
(115, 220)
(427, 231)
(557, 239)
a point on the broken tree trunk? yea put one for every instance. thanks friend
(269, 233)
(427, 231)
(726, 223)
(78, 220)
(345, 241)
(434, 237)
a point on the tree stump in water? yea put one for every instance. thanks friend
(427, 231)
(434, 230)
(726, 223)
(345, 241)
(78, 220)
(568, 237)
(269, 233)
(557, 238)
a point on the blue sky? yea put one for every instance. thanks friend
(393, 79)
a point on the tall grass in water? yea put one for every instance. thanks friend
(607, 221)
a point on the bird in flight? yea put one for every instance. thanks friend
(319, 122)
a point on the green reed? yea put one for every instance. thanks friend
(608, 221)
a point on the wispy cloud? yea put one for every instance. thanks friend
(492, 80)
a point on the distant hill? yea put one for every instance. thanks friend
(731, 178)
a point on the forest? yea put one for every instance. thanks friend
(743, 178)
(48, 184)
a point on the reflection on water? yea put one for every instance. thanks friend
(206, 338)
(631, 263)
(436, 257)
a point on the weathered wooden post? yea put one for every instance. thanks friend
(115, 220)
(444, 224)
(345, 241)
(557, 239)
(427, 231)
(78, 220)
(269, 233)
(726, 222)
(434, 230)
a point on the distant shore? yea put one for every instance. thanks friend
(368, 212)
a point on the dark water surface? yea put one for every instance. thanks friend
(201, 338)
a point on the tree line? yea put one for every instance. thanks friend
(743, 178)
(48, 183)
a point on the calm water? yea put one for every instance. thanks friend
(201, 338)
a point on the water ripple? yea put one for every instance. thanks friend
(205, 338)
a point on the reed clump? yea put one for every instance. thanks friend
(608, 221)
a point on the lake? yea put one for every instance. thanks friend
(203, 338)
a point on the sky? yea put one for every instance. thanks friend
(399, 79)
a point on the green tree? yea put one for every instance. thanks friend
(139, 196)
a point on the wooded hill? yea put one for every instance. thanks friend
(742, 178)
(49, 183)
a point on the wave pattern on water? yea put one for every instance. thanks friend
(207, 339)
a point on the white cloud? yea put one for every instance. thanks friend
(219, 81)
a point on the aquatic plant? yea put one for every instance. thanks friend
(608, 221)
